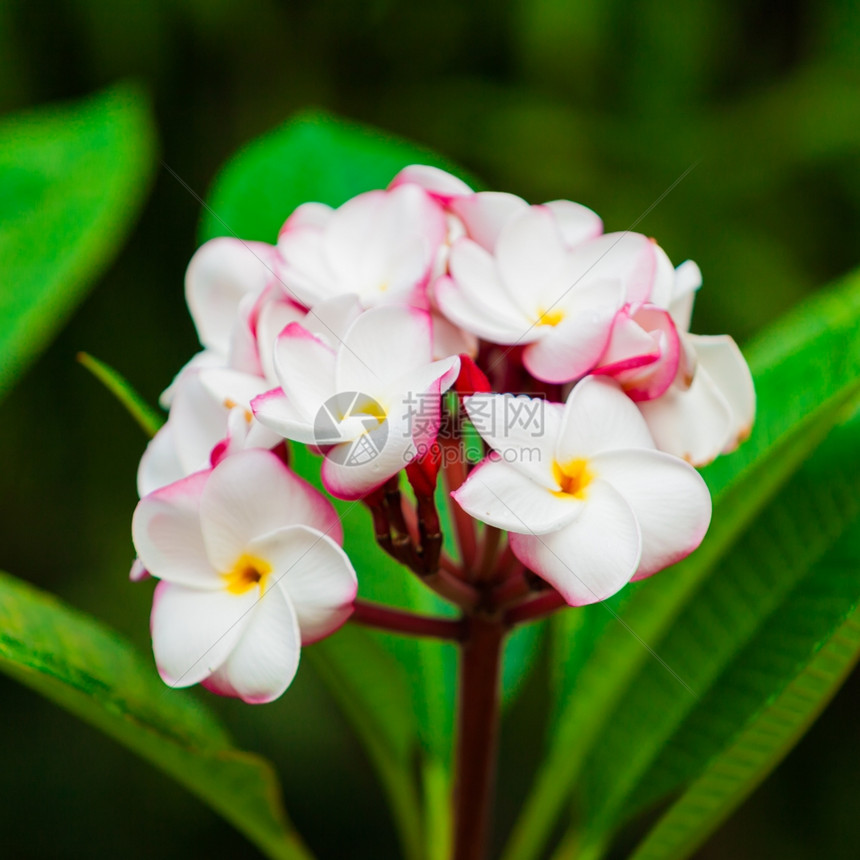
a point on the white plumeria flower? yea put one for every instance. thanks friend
(537, 288)
(589, 501)
(710, 406)
(380, 245)
(371, 401)
(250, 570)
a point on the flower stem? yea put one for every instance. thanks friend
(536, 608)
(478, 727)
(394, 620)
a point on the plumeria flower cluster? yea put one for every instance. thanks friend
(377, 334)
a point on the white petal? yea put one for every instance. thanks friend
(167, 534)
(627, 257)
(485, 213)
(265, 659)
(669, 498)
(599, 417)
(694, 423)
(720, 358)
(330, 320)
(273, 410)
(194, 631)
(306, 368)
(251, 494)
(219, 275)
(574, 346)
(439, 183)
(592, 557)
(532, 259)
(381, 346)
(487, 313)
(522, 429)
(316, 575)
(498, 494)
(688, 279)
(577, 223)
(381, 244)
(159, 465)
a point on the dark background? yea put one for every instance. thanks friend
(607, 103)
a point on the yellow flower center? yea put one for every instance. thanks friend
(248, 572)
(551, 317)
(573, 478)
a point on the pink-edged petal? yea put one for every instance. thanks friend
(592, 557)
(352, 469)
(669, 498)
(382, 244)
(276, 412)
(441, 185)
(694, 423)
(316, 575)
(719, 357)
(313, 216)
(167, 535)
(573, 347)
(138, 572)
(251, 494)
(485, 214)
(651, 381)
(577, 223)
(627, 257)
(523, 430)
(219, 275)
(272, 317)
(264, 661)
(599, 417)
(449, 339)
(382, 345)
(500, 495)
(629, 347)
(193, 631)
(159, 465)
(305, 367)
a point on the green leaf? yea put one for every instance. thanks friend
(148, 419)
(807, 372)
(372, 689)
(72, 178)
(312, 157)
(735, 768)
(781, 592)
(95, 674)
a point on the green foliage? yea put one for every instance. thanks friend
(624, 706)
(313, 157)
(147, 418)
(72, 178)
(93, 673)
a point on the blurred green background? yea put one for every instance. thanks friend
(606, 103)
